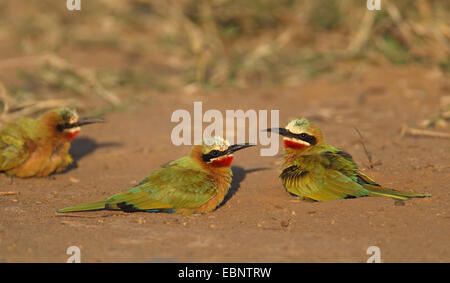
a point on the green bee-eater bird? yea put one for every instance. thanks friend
(314, 170)
(196, 183)
(38, 147)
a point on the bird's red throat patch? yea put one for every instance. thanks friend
(71, 135)
(222, 161)
(294, 144)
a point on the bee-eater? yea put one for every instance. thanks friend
(38, 147)
(314, 170)
(196, 183)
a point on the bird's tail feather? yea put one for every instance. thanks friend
(386, 192)
(98, 205)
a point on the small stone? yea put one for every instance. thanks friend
(285, 223)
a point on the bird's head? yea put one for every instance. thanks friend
(218, 152)
(299, 134)
(66, 121)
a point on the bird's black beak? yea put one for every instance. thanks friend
(280, 131)
(84, 121)
(236, 147)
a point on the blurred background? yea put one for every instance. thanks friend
(377, 83)
(114, 53)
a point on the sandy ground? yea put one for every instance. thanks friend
(259, 221)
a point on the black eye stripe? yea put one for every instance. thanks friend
(304, 137)
(212, 154)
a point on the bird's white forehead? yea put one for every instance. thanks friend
(73, 118)
(296, 126)
(216, 143)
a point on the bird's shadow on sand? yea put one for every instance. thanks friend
(82, 147)
(239, 175)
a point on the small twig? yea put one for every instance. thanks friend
(9, 193)
(405, 130)
(363, 34)
(369, 156)
(403, 27)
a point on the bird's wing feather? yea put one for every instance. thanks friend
(321, 177)
(328, 185)
(167, 188)
(14, 147)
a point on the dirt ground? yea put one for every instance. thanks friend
(259, 221)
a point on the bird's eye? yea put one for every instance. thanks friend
(303, 135)
(214, 152)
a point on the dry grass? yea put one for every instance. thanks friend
(113, 49)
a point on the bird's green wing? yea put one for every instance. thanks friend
(343, 162)
(168, 188)
(321, 177)
(14, 147)
(332, 174)
(320, 186)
